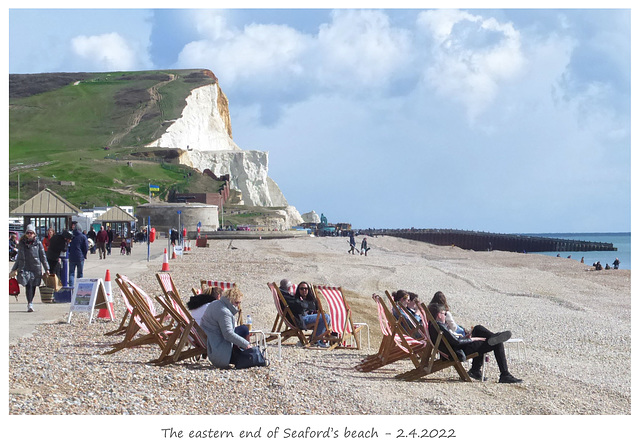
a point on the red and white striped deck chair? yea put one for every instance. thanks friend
(167, 285)
(144, 320)
(341, 319)
(396, 343)
(224, 286)
(285, 322)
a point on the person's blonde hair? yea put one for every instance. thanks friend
(234, 295)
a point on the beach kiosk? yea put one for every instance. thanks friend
(120, 222)
(47, 209)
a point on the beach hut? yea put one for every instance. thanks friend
(46, 209)
(120, 222)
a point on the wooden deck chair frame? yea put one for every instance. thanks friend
(433, 360)
(341, 316)
(285, 322)
(224, 286)
(191, 340)
(396, 343)
(157, 330)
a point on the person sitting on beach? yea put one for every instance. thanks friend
(412, 307)
(481, 341)
(402, 299)
(304, 307)
(616, 264)
(225, 340)
(456, 329)
(198, 304)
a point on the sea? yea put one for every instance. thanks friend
(621, 241)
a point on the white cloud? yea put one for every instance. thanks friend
(472, 57)
(109, 52)
(360, 49)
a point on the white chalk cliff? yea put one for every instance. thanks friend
(204, 133)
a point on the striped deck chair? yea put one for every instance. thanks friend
(396, 343)
(432, 360)
(167, 285)
(285, 321)
(149, 326)
(224, 286)
(341, 319)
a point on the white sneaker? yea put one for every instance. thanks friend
(30, 307)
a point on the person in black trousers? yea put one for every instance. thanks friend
(481, 341)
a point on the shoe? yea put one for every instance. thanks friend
(29, 308)
(499, 338)
(322, 344)
(476, 375)
(509, 379)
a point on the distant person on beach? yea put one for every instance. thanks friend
(352, 243)
(481, 341)
(616, 264)
(225, 340)
(456, 329)
(364, 247)
(110, 235)
(91, 235)
(598, 266)
(198, 304)
(582, 260)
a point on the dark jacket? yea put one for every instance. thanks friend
(31, 258)
(299, 307)
(57, 245)
(102, 236)
(79, 246)
(462, 346)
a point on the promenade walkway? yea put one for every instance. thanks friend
(22, 323)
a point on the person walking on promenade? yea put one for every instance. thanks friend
(47, 238)
(30, 261)
(101, 241)
(110, 240)
(78, 249)
(92, 237)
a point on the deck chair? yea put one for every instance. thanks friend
(189, 340)
(167, 285)
(285, 322)
(432, 359)
(341, 319)
(396, 343)
(224, 286)
(149, 326)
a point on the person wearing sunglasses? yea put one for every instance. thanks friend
(30, 262)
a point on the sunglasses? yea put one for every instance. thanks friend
(303, 288)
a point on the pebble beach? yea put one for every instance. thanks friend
(575, 323)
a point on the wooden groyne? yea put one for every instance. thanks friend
(481, 241)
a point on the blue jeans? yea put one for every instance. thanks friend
(73, 265)
(310, 319)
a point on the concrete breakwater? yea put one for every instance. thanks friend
(480, 241)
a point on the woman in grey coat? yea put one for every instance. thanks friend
(29, 263)
(224, 339)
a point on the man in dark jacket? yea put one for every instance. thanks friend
(57, 245)
(78, 249)
(91, 234)
(481, 341)
(101, 241)
(110, 240)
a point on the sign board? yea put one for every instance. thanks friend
(178, 250)
(89, 294)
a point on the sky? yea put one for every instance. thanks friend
(498, 120)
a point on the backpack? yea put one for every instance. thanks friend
(251, 357)
(14, 287)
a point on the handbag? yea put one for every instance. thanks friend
(251, 357)
(52, 281)
(14, 287)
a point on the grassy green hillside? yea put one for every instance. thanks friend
(89, 128)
